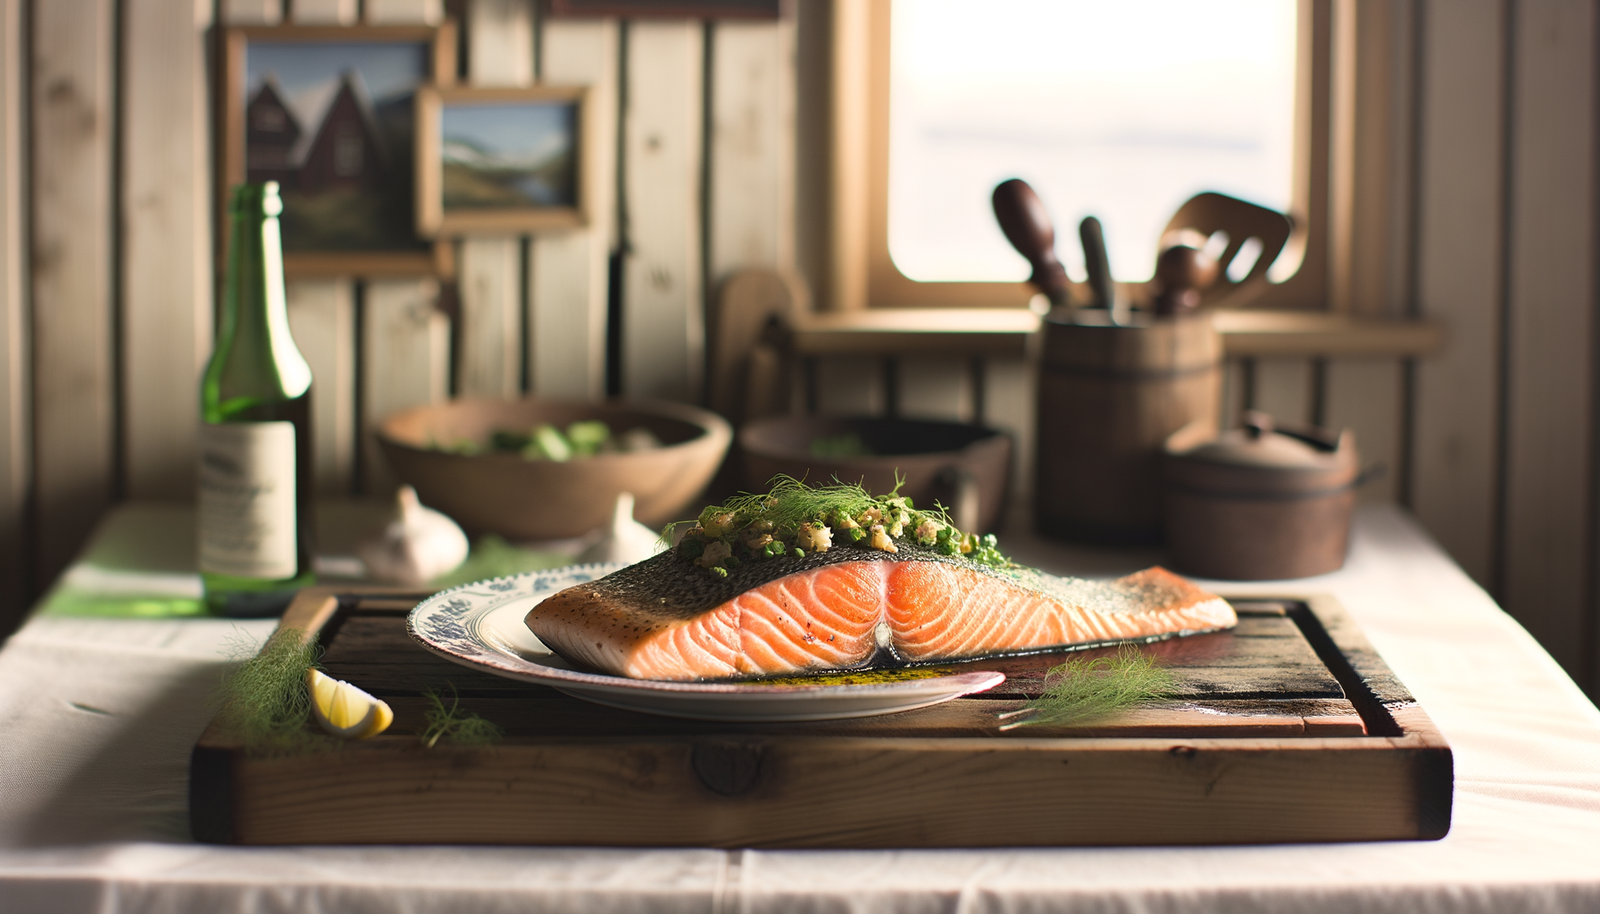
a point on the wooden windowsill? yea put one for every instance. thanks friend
(1005, 332)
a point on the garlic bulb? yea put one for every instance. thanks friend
(625, 540)
(417, 546)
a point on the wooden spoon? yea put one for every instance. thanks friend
(1027, 226)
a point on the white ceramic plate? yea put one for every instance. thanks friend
(480, 626)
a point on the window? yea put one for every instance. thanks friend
(1119, 110)
(872, 255)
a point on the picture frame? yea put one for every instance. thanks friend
(502, 159)
(330, 113)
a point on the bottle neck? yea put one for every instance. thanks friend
(255, 314)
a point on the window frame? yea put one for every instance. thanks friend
(862, 274)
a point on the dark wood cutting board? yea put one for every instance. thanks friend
(1289, 728)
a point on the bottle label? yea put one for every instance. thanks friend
(247, 499)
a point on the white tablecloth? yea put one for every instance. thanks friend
(97, 717)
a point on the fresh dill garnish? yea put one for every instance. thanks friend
(1085, 690)
(454, 724)
(790, 502)
(264, 700)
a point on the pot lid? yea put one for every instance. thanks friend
(1262, 457)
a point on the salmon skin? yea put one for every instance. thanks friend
(853, 607)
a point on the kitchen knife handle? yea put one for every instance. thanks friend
(1095, 262)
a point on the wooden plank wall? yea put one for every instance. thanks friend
(663, 316)
(15, 426)
(71, 94)
(165, 238)
(1506, 419)
(569, 272)
(1544, 572)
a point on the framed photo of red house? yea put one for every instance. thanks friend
(502, 159)
(331, 114)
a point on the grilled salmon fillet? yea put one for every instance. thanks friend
(849, 608)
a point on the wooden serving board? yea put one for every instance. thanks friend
(1289, 728)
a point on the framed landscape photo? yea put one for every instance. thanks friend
(331, 115)
(501, 160)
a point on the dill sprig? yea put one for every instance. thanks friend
(790, 503)
(1084, 690)
(265, 699)
(454, 724)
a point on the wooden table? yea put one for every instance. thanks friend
(100, 714)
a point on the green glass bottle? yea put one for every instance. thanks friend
(255, 511)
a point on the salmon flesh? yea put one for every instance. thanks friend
(850, 608)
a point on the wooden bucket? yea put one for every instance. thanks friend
(1108, 398)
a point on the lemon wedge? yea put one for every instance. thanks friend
(344, 710)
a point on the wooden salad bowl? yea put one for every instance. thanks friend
(521, 499)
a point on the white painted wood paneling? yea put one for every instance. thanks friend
(1283, 389)
(935, 387)
(1548, 464)
(569, 272)
(250, 12)
(166, 243)
(500, 42)
(499, 53)
(568, 277)
(325, 12)
(1364, 395)
(751, 206)
(16, 438)
(490, 279)
(403, 12)
(74, 391)
(406, 348)
(322, 319)
(1458, 277)
(663, 334)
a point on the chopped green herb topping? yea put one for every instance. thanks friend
(793, 520)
